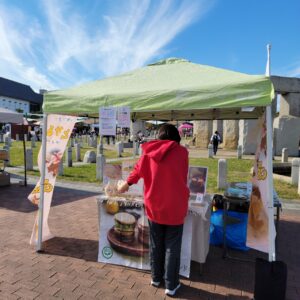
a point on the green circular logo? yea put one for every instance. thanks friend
(107, 252)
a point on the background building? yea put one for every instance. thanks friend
(19, 97)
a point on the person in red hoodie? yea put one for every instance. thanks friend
(164, 168)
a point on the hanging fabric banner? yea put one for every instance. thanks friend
(257, 229)
(59, 129)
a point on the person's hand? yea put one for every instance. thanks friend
(123, 186)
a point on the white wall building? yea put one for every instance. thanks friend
(19, 97)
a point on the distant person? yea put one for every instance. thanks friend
(215, 140)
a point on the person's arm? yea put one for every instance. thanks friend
(133, 178)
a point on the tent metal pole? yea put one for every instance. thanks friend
(270, 192)
(24, 154)
(42, 186)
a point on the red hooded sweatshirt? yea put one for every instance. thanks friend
(164, 168)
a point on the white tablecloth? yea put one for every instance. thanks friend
(196, 234)
(200, 235)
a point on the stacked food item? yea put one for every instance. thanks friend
(111, 189)
(125, 226)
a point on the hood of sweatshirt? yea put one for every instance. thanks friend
(158, 149)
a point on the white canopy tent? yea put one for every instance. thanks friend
(9, 116)
(207, 103)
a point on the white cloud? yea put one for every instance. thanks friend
(141, 32)
(64, 50)
(15, 51)
(294, 72)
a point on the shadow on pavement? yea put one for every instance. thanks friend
(188, 292)
(14, 197)
(72, 247)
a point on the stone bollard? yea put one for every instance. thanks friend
(29, 159)
(7, 161)
(89, 157)
(61, 168)
(99, 149)
(7, 141)
(239, 151)
(17, 137)
(77, 152)
(284, 155)
(299, 182)
(25, 137)
(69, 157)
(210, 153)
(135, 148)
(33, 142)
(295, 170)
(100, 163)
(222, 174)
(140, 150)
(94, 142)
(72, 142)
(119, 146)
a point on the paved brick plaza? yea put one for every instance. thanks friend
(69, 269)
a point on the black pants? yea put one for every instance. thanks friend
(165, 248)
(215, 146)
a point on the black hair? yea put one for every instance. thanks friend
(216, 132)
(169, 132)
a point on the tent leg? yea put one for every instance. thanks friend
(272, 232)
(42, 187)
(24, 153)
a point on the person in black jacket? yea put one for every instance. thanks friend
(215, 140)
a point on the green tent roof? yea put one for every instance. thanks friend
(169, 89)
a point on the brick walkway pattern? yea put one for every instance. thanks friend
(68, 269)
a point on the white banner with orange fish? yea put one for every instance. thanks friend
(257, 230)
(59, 129)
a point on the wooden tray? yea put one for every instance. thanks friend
(134, 248)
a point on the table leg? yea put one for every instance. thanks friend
(225, 212)
(201, 269)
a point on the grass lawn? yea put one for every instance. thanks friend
(83, 173)
(238, 170)
(17, 156)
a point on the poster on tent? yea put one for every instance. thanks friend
(107, 121)
(59, 129)
(197, 180)
(124, 229)
(123, 116)
(258, 221)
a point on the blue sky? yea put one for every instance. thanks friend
(59, 43)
